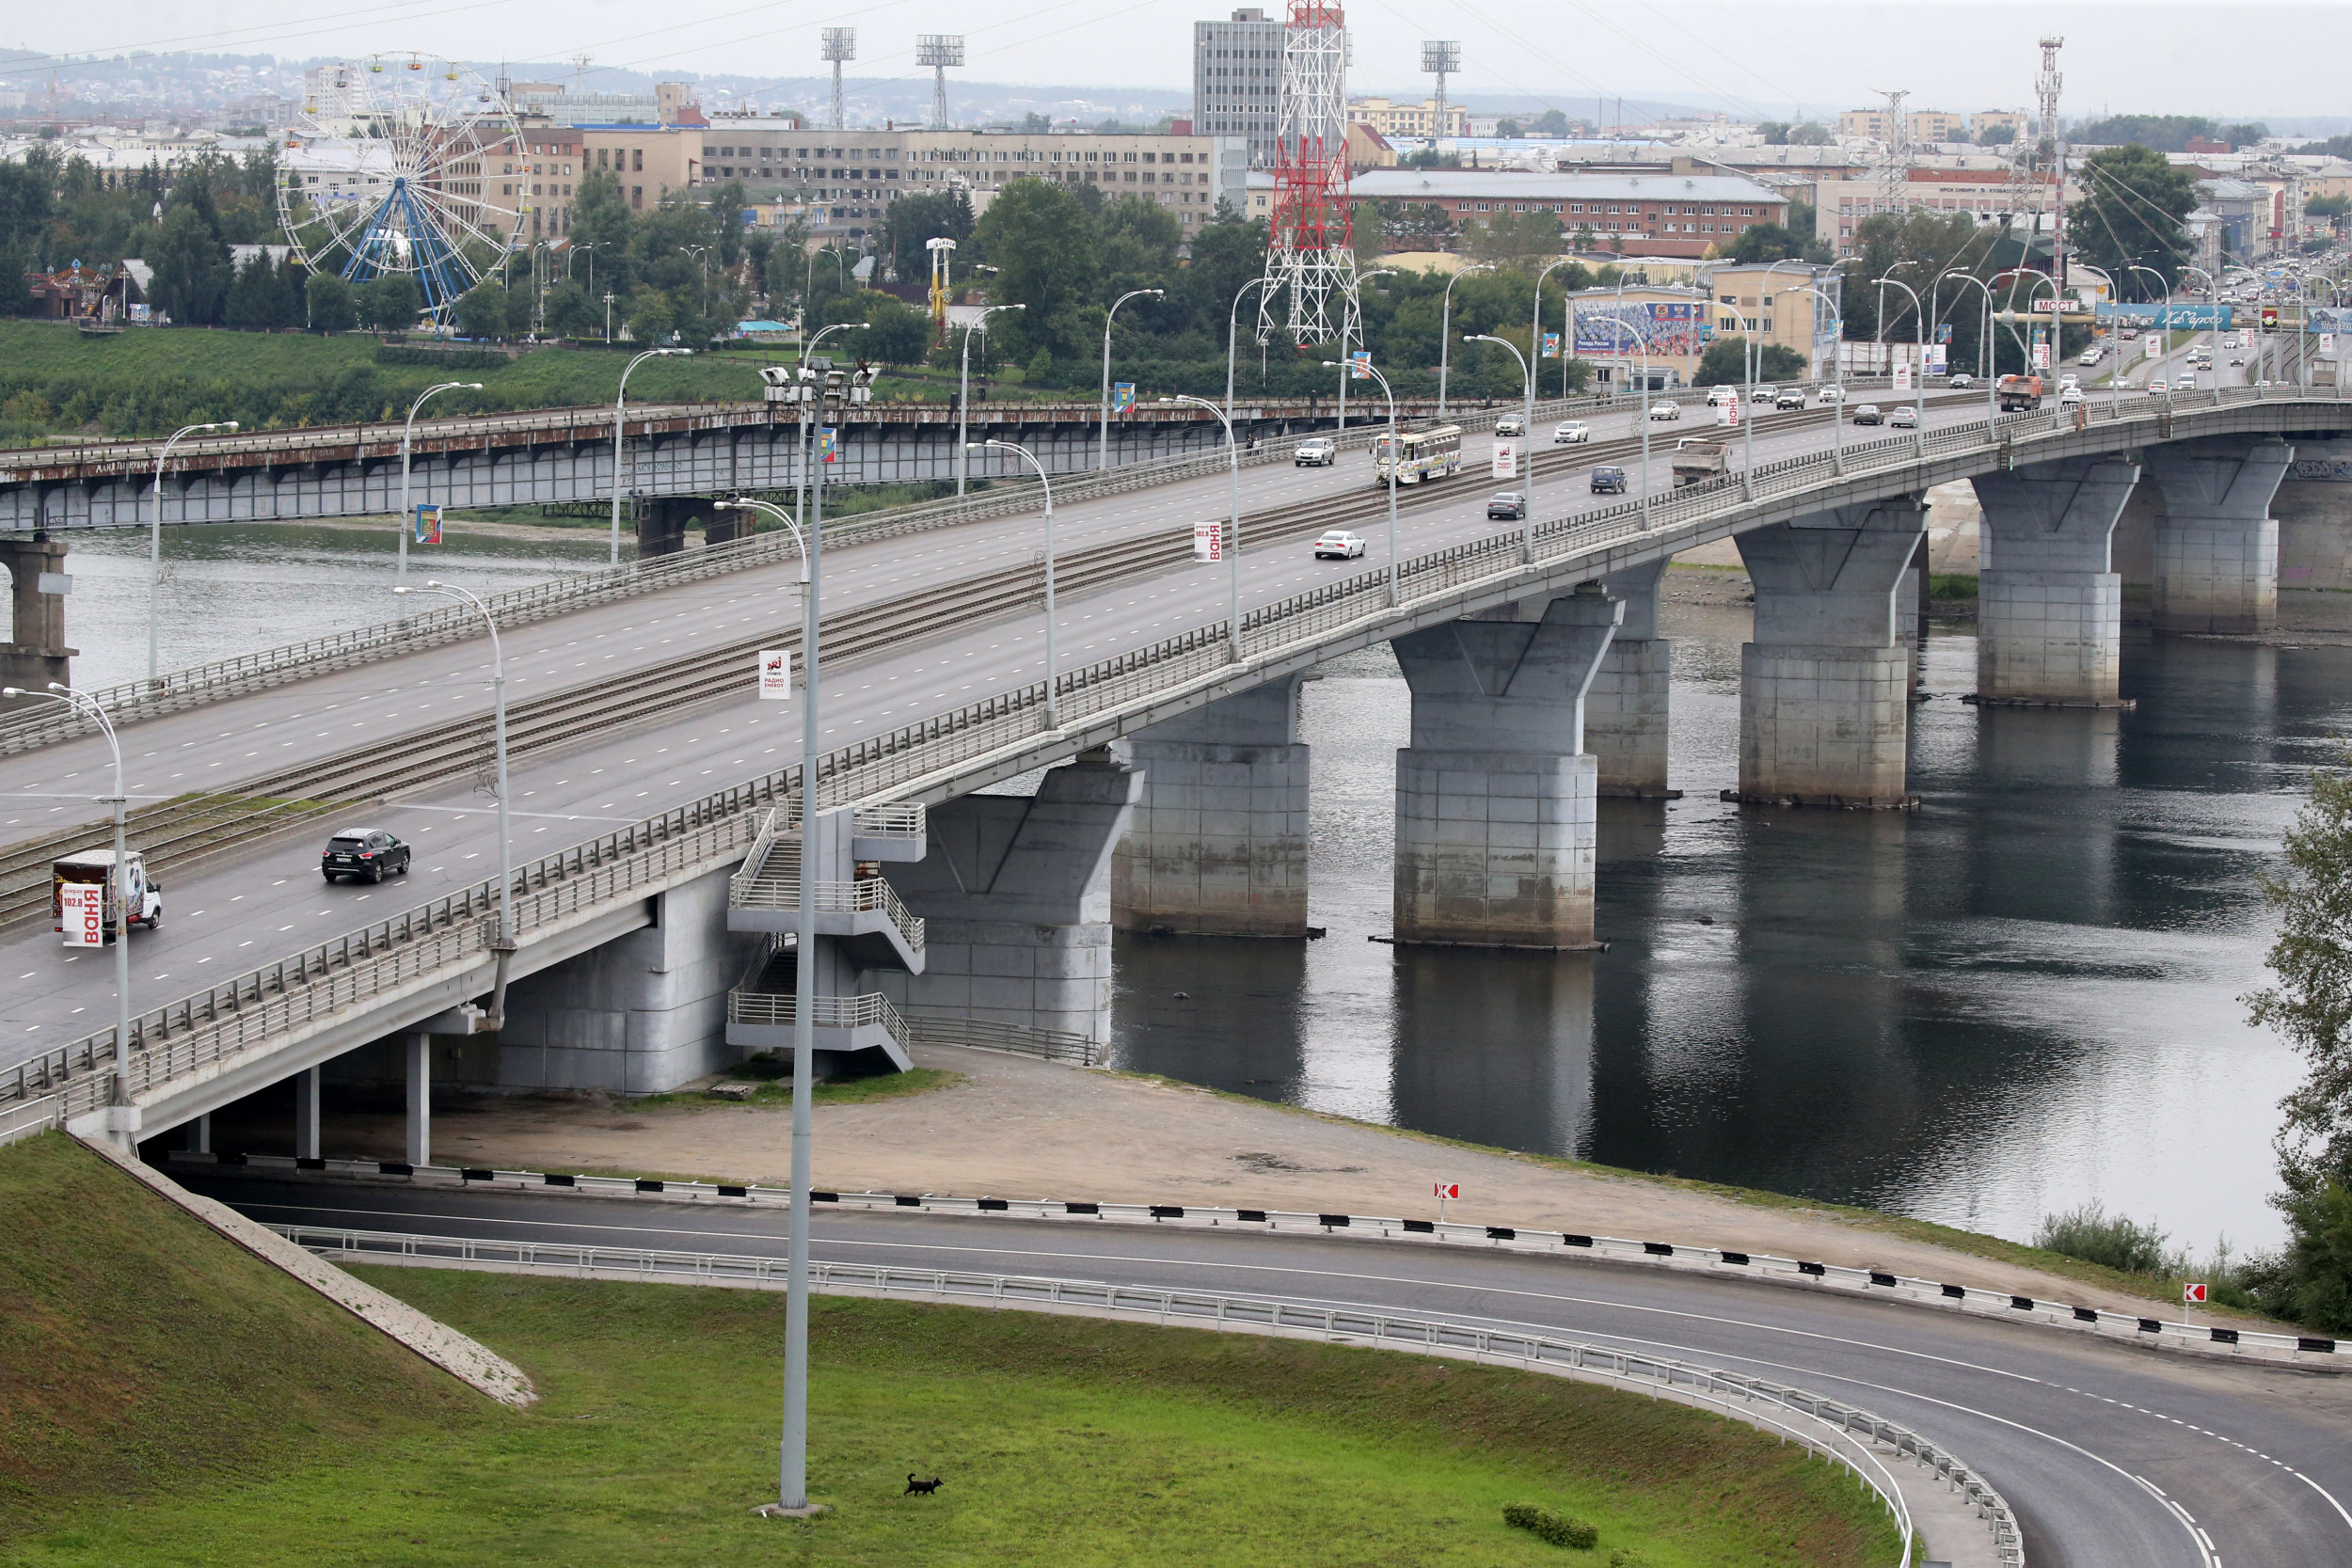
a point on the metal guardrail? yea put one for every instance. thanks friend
(940, 1026)
(1845, 1434)
(781, 1009)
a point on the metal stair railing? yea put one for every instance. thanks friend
(781, 1009)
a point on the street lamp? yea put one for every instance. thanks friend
(1747, 402)
(747, 504)
(608, 318)
(1395, 456)
(620, 427)
(1102, 454)
(156, 537)
(1641, 341)
(1232, 330)
(702, 254)
(1526, 371)
(82, 702)
(1984, 341)
(1053, 696)
(407, 433)
(1534, 352)
(1362, 280)
(1445, 330)
(1232, 547)
(1837, 373)
(1919, 381)
(2163, 330)
(808, 345)
(963, 397)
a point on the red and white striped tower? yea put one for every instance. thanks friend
(1310, 255)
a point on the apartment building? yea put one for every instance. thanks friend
(2016, 121)
(1664, 215)
(547, 172)
(1975, 188)
(1775, 303)
(1237, 80)
(648, 161)
(1921, 125)
(1407, 122)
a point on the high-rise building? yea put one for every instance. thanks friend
(1237, 80)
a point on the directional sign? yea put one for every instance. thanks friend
(82, 914)
(775, 674)
(2193, 1293)
(1449, 1189)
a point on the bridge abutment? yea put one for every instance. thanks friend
(1496, 797)
(1626, 711)
(1825, 704)
(1217, 842)
(1015, 896)
(2216, 546)
(2050, 610)
(36, 652)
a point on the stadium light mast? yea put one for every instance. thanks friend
(841, 43)
(939, 51)
(1440, 57)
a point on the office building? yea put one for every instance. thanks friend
(1237, 80)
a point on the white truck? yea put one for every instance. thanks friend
(128, 888)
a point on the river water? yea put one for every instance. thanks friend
(2019, 997)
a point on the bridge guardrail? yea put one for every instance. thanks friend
(1849, 1435)
(870, 767)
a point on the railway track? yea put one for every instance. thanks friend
(178, 832)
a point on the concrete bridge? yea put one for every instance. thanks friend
(1174, 789)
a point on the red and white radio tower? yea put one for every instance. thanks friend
(1310, 255)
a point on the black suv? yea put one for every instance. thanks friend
(367, 852)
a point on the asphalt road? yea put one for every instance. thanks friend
(243, 909)
(2088, 1440)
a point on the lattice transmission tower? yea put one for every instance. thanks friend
(939, 51)
(1310, 255)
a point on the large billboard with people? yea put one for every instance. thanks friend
(1669, 328)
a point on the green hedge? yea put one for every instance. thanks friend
(451, 358)
(1560, 1529)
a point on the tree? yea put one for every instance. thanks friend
(329, 303)
(1774, 132)
(1996, 135)
(2133, 206)
(191, 267)
(1507, 129)
(1809, 134)
(571, 314)
(915, 218)
(1416, 225)
(390, 303)
(1726, 364)
(1516, 240)
(261, 298)
(1765, 242)
(1043, 244)
(1550, 123)
(651, 316)
(484, 310)
(894, 334)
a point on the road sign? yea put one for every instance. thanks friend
(428, 523)
(1449, 1189)
(775, 674)
(1208, 541)
(82, 914)
(2193, 1293)
(1506, 460)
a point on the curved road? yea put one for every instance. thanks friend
(2112, 1457)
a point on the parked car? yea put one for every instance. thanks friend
(1663, 412)
(364, 852)
(1869, 413)
(1792, 398)
(1608, 480)
(1571, 433)
(1903, 417)
(1318, 451)
(1510, 426)
(1339, 545)
(1507, 503)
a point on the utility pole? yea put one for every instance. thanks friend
(2046, 87)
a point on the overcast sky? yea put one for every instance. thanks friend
(2230, 59)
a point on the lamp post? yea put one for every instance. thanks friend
(407, 433)
(1919, 381)
(497, 732)
(1535, 353)
(1102, 450)
(1232, 332)
(808, 345)
(2164, 332)
(701, 255)
(747, 504)
(964, 396)
(620, 429)
(1641, 341)
(1232, 496)
(1445, 330)
(156, 537)
(1394, 457)
(587, 249)
(82, 702)
(1053, 695)
(1747, 402)
(1362, 280)
(1837, 372)
(608, 318)
(1527, 524)
(1984, 340)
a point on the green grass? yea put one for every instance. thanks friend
(1952, 585)
(1060, 1440)
(766, 1071)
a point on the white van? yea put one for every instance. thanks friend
(1717, 396)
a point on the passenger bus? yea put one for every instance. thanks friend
(1426, 454)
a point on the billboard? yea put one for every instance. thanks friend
(2182, 318)
(1670, 327)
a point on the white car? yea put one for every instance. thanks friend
(1319, 452)
(1830, 395)
(1763, 394)
(2156, 388)
(1339, 545)
(1961, 381)
(2068, 379)
(1903, 416)
(2088, 357)
(1509, 426)
(1661, 412)
(1574, 433)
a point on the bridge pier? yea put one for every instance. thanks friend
(1218, 842)
(2050, 612)
(417, 1051)
(2216, 546)
(36, 652)
(1495, 798)
(661, 523)
(1015, 896)
(1825, 704)
(1626, 711)
(306, 1137)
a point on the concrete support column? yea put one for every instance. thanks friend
(1824, 706)
(418, 1051)
(196, 1137)
(36, 652)
(306, 1138)
(2050, 614)
(1015, 895)
(1626, 710)
(661, 525)
(2216, 546)
(1495, 798)
(1217, 842)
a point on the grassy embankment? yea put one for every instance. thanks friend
(166, 1398)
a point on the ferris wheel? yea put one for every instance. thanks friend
(394, 169)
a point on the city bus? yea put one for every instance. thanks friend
(1427, 455)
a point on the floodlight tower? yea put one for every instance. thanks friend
(939, 51)
(1310, 253)
(1440, 57)
(840, 44)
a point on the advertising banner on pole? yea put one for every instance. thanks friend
(827, 446)
(1360, 365)
(775, 674)
(1123, 396)
(82, 914)
(1936, 358)
(1670, 327)
(2326, 345)
(428, 523)
(1208, 541)
(2041, 355)
(1506, 460)
(1552, 345)
(1903, 376)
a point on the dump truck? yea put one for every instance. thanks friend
(1697, 460)
(129, 888)
(2018, 394)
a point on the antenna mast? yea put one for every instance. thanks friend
(2053, 154)
(841, 43)
(1310, 255)
(939, 51)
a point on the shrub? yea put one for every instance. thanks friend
(2095, 1236)
(1543, 1524)
(1951, 585)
